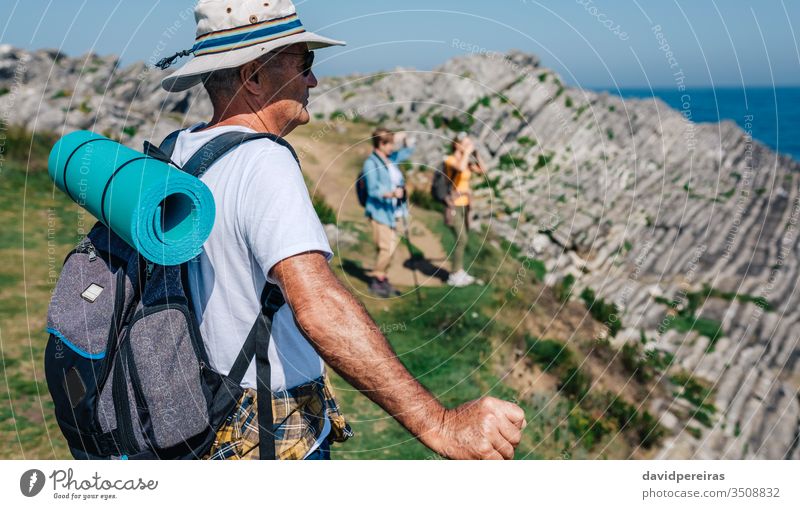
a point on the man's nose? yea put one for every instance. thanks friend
(311, 80)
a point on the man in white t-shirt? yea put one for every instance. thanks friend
(254, 60)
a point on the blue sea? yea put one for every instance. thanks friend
(775, 111)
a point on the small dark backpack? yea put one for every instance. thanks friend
(125, 364)
(442, 185)
(361, 189)
(361, 183)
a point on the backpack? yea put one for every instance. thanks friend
(361, 184)
(442, 185)
(125, 364)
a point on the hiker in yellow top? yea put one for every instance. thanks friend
(459, 167)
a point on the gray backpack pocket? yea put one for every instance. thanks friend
(165, 370)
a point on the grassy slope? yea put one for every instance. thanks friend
(37, 228)
(461, 344)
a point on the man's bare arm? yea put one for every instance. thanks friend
(347, 338)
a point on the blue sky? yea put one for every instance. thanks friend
(591, 43)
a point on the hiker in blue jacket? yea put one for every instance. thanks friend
(386, 202)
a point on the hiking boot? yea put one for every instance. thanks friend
(390, 290)
(378, 288)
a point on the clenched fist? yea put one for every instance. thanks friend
(487, 428)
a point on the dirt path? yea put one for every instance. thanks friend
(332, 159)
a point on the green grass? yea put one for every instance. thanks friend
(686, 318)
(38, 226)
(712, 329)
(446, 349)
(425, 200)
(695, 300)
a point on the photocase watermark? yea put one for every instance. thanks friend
(603, 19)
(387, 328)
(67, 486)
(631, 283)
(530, 257)
(10, 100)
(83, 186)
(787, 242)
(31, 483)
(167, 35)
(52, 266)
(524, 73)
(680, 83)
(744, 187)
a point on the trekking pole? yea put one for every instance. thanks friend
(413, 258)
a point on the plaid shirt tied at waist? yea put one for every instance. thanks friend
(298, 416)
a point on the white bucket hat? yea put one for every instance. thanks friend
(231, 33)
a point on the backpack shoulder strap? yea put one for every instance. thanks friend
(212, 151)
(257, 345)
(377, 158)
(164, 151)
(167, 146)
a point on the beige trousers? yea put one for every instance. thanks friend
(387, 240)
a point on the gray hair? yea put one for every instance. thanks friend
(223, 84)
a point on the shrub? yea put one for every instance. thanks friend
(564, 288)
(631, 355)
(693, 391)
(587, 429)
(575, 383)
(543, 160)
(608, 313)
(23, 146)
(649, 431)
(61, 94)
(324, 211)
(130, 131)
(548, 354)
(623, 413)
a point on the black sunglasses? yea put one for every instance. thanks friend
(308, 60)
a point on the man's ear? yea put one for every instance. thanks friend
(249, 75)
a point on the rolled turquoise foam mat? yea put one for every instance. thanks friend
(159, 210)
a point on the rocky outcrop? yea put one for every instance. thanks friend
(690, 229)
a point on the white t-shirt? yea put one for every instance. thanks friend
(264, 215)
